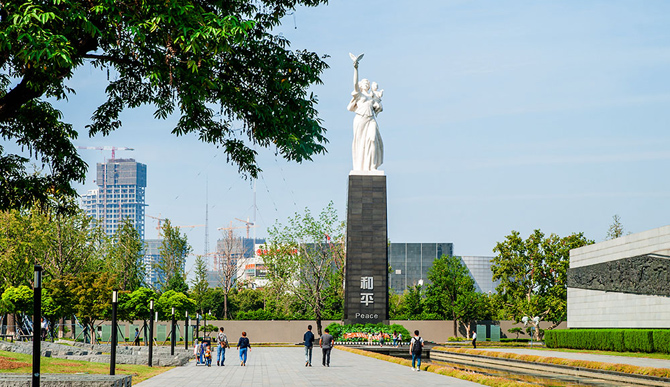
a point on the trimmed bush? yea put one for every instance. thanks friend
(618, 340)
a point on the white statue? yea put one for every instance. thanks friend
(367, 149)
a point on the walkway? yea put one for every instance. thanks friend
(636, 361)
(269, 366)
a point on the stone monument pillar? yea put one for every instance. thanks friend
(366, 269)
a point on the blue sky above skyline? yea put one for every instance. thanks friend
(497, 117)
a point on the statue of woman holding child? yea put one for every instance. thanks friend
(367, 148)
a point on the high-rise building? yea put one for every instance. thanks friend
(151, 256)
(120, 194)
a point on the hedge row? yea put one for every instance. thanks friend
(618, 340)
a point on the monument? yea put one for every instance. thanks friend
(366, 270)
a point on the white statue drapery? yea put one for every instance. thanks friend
(367, 148)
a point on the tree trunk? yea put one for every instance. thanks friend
(73, 328)
(11, 324)
(61, 328)
(455, 328)
(225, 306)
(318, 322)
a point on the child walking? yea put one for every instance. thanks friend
(244, 346)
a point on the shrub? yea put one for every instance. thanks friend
(661, 340)
(619, 340)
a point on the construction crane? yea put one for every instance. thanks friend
(192, 226)
(230, 229)
(248, 224)
(159, 222)
(106, 148)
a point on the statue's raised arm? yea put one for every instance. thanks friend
(356, 59)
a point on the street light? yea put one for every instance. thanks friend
(112, 358)
(173, 342)
(151, 332)
(186, 331)
(37, 326)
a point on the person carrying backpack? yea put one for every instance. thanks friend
(415, 348)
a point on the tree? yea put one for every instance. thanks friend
(188, 57)
(229, 250)
(616, 228)
(170, 265)
(74, 243)
(124, 258)
(451, 292)
(17, 249)
(200, 284)
(303, 255)
(179, 301)
(17, 300)
(89, 296)
(533, 274)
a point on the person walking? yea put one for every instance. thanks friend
(222, 340)
(309, 345)
(137, 337)
(415, 348)
(196, 351)
(395, 339)
(203, 348)
(244, 346)
(474, 339)
(326, 344)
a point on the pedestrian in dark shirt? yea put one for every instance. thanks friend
(309, 345)
(244, 346)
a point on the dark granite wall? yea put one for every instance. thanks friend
(367, 255)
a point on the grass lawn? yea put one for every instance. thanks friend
(22, 364)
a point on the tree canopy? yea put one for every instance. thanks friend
(452, 293)
(533, 274)
(215, 64)
(306, 259)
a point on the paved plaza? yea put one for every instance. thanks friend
(267, 366)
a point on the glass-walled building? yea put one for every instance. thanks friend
(410, 262)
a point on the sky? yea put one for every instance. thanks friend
(498, 116)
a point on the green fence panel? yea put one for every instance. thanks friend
(481, 333)
(161, 332)
(495, 333)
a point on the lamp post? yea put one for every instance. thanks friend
(186, 331)
(197, 326)
(112, 358)
(173, 342)
(151, 333)
(37, 324)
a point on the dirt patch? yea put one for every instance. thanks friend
(65, 364)
(7, 363)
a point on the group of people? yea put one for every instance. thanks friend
(203, 351)
(325, 343)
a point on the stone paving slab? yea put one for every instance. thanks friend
(286, 367)
(636, 361)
